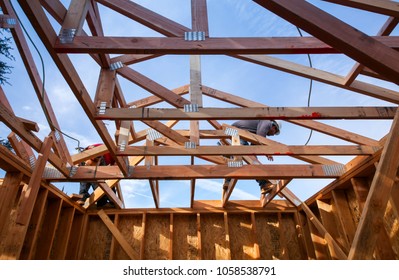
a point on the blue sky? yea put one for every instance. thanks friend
(227, 18)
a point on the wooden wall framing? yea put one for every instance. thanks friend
(354, 217)
(60, 229)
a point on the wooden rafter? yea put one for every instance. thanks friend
(372, 53)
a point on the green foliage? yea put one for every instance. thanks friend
(5, 49)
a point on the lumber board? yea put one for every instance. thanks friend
(30, 193)
(62, 235)
(327, 217)
(377, 6)
(377, 199)
(118, 235)
(211, 46)
(185, 172)
(76, 15)
(146, 17)
(279, 150)
(268, 113)
(28, 251)
(371, 52)
(48, 229)
(75, 237)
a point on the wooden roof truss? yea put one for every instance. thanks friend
(375, 56)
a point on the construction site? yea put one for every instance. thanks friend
(159, 86)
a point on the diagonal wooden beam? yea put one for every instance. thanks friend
(390, 8)
(118, 235)
(153, 87)
(37, 83)
(323, 76)
(16, 125)
(320, 127)
(371, 221)
(146, 17)
(28, 196)
(341, 36)
(44, 28)
(76, 15)
(277, 189)
(387, 28)
(333, 245)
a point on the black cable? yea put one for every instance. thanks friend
(46, 114)
(310, 87)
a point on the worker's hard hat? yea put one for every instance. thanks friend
(278, 124)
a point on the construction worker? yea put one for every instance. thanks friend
(103, 160)
(263, 128)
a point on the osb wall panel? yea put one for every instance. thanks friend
(185, 238)
(36, 220)
(47, 231)
(58, 249)
(241, 237)
(289, 234)
(391, 224)
(132, 230)
(157, 237)
(268, 236)
(8, 247)
(353, 205)
(74, 237)
(213, 237)
(98, 240)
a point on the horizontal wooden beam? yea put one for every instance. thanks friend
(249, 113)
(280, 150)
(161, 45)
(185, 172)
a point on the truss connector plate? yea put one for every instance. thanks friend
(122, 146)
(191, 108)
(8, 21)
(190, 145)
(32, 161)
(334, 170)
(18, 138)
(194, 36)
(231, 131)
(57, 136)
(67, 35)
(152, 134)
(234, 163)
(72, 171)
(116, 65)
(51, 172)
(102, 108)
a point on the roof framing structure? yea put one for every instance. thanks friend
(78, 29)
